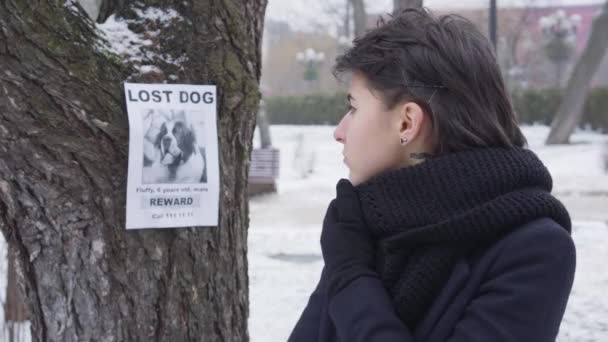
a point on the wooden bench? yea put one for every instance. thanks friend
(263, 170)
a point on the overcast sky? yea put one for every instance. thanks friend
(300, 13)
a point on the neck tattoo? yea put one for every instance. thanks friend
(420, 157)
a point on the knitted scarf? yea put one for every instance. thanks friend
(427, 215)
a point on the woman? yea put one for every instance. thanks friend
(446, 229)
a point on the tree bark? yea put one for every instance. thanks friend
(359, 16)
(400, 5)
(573, 100)
(63, 172)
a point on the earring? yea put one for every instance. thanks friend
(403, 141)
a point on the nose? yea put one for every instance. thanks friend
(166, 142)
(340, 131)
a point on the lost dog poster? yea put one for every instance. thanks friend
(173, 156)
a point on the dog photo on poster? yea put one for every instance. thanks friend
(173, 178)
(174, 148)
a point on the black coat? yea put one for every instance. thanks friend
(516, 290)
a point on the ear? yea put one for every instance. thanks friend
(189, 144)
(410, 120)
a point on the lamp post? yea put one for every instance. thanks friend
(311, 60)
(559, 33)
(493, 23)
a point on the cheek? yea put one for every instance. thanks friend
(369, 146)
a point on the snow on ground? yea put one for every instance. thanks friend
(285, 256)
(284, 252)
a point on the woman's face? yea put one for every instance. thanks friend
(371, 134)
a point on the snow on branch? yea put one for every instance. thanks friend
(139, 48)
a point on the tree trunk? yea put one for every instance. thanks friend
(63, 170)
(573, 100)
(15, 312)
(359, 16)
(400, 5)
(107, 8)
(264, 127)
(347, 18)
(493, 24)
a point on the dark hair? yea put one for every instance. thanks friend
(446, 66)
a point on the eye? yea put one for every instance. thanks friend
(350, 109)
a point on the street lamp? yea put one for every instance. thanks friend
(559, 32)
(311, 60)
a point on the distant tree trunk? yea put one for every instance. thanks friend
(107, 8)
(347, 20)
(493, 24)
(63, 171)
(359, 16)
(264, 127)
(15, 311)
(571, 108)
(399, 5)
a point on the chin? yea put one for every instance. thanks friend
(354, 180)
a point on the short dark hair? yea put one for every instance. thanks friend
(447, 67)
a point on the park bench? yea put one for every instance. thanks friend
(263, 170)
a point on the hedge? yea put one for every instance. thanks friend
(531, 106)
(306, 110)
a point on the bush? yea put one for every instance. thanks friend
(306, 110)
(596, 110)
(536, 106)
(540, 106)
(531, 106)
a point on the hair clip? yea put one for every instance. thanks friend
(425, 86)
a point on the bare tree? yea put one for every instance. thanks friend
(340, 15)
(399, 5)
(108, 7)
(513, 23)
(63, 167)
(359, 16)
(573, 100)
(347, 20)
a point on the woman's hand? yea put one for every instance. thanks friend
(347, 246)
